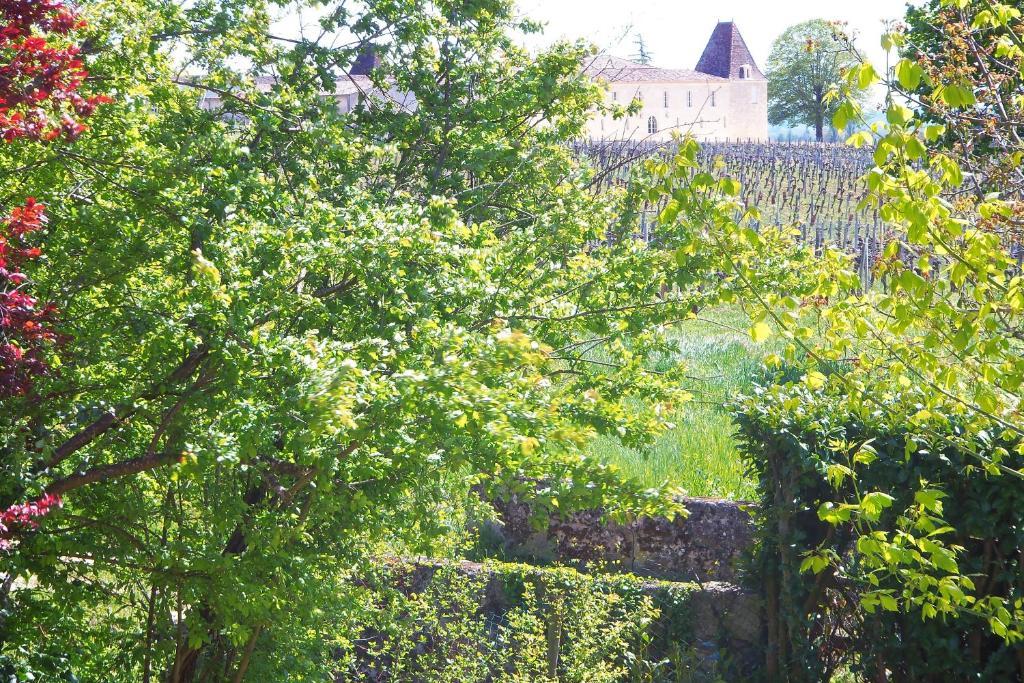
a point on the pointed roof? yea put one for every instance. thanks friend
(726, 52)
(366, 61)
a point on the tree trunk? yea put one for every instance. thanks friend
(186, 660)
(819, 114)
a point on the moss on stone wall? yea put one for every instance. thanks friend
(518, 622)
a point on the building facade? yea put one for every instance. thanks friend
(724, 98)
(354, 89)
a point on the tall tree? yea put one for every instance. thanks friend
(40, 104)
(807, 62)
(642, 54)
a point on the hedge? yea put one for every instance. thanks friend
(817, 623)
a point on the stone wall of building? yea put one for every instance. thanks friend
(748, 110)
(700, 108)
(714, 109)
(724, 98)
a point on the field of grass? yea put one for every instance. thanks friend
(700, 454)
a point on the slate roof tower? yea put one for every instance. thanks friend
(366, 61)
(727, 54)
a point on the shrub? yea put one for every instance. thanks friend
(814, 458)
(515, 623)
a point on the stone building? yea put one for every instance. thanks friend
(725, 97)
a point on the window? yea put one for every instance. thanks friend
(712, 98)
(615, 96)
(689, 98)
(754, 97)
(744, 72)
(666, 99)
(652, 125)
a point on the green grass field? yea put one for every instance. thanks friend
(700, 454)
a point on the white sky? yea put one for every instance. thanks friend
(676, 31)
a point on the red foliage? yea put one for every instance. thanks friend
(24, 325)
(39, 73)
(40, 76)
(23, 516)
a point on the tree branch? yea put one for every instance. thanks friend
(112, 418)
(115, 471)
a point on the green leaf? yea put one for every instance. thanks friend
(760, 332)
(814, 379)
(898, 115)
(835, 514)
(867, 76)
(842, 116)
(873, 504)
(860, 139)
(837, 473)
(815, 563)
(909, 74)
(934, 132)
(729, 186)
(930, 500)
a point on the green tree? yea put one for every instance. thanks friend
(929, 366)
(806, 63)
(984, 147)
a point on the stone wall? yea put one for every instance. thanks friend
(689, 567)
(718, 624)
(706, 546)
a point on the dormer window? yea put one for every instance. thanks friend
(744, 72)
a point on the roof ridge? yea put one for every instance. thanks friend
(619, 69)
